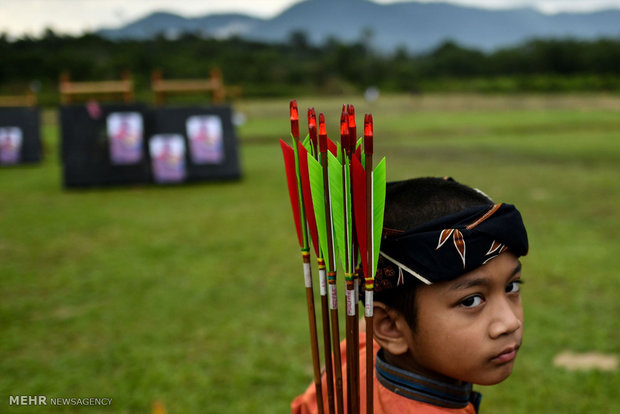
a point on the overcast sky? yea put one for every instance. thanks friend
(18, 17)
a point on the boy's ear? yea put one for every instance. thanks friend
(390, 329)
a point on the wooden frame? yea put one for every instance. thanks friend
(80, 91)
(28, 99)
(163, 87)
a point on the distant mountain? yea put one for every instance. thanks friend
(413, 25)
(172, 25)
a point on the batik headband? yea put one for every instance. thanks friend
(450, 246)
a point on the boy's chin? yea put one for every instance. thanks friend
(494, 378)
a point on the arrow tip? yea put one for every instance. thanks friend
(312, 127)
(322, 134)
(294, 118)
(368, 134)
(344, 131)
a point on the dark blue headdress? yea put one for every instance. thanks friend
(445, 248)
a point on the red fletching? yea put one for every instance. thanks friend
(332, 147)
(359, 208)
(368, 134)
(308, 206)
(291, 180)
(294, 119)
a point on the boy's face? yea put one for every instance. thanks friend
(470, 328)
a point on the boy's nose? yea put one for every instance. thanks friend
(506, 319)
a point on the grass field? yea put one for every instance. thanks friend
(193, 295)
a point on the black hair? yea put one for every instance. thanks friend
(411, 203)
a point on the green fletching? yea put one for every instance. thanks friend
(315, 172)
(308, 145)
(378, 202)
(339, 152)
(359, 142)
(304, 228)
(349, 216)
(337, 201)
(360, 146)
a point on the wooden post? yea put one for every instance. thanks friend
(65, 79)
(156, 78)
(128, 93)
(217, 85)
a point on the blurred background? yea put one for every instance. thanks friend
(189, 298)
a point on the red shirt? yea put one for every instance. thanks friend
(385, 401)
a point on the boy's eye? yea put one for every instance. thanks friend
(513, 287)
(472, 301)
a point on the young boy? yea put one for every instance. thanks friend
(447, 310)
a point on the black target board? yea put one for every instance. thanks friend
(188, 144)
(104, 144)
(20, 136)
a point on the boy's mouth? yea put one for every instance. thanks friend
(507, 355)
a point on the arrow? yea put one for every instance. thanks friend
(291, 164)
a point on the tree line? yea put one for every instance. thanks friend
(298, 67)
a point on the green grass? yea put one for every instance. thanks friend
(193, 295)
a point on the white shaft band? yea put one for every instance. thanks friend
(351, 302)
(307, 275)
(369, 304)
(333, 297)
(323, 281)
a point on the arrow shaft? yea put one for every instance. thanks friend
(368, 305)
(314, 343)
(333, 295)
